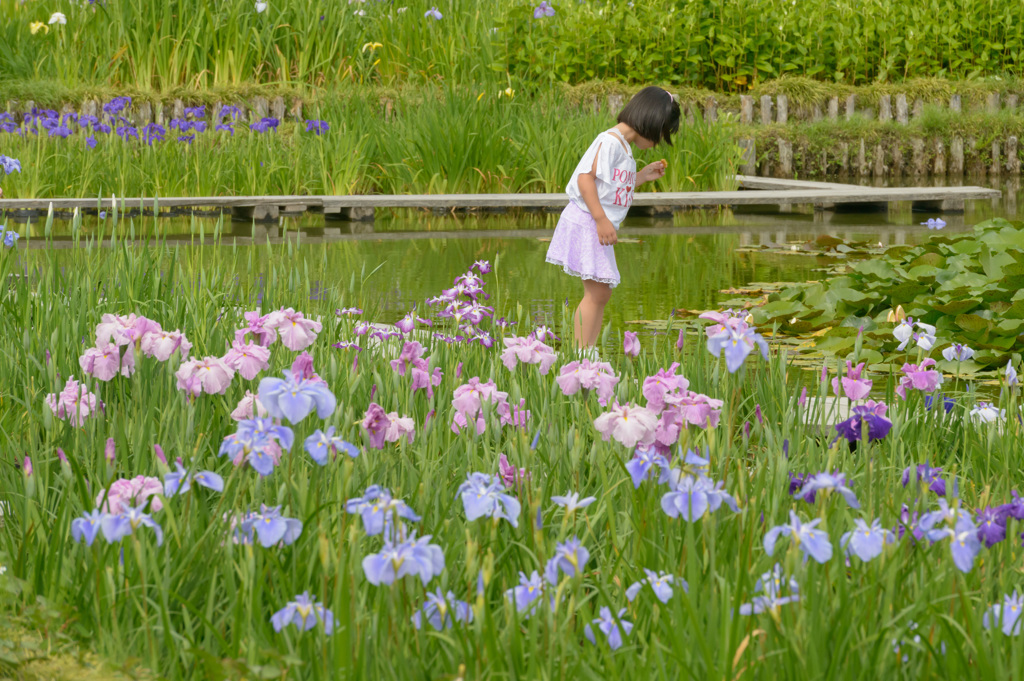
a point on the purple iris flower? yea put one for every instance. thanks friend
(10, 126)
(117, 527)
(295, 399)
(1007, 615)
(180, 481)
(814, 543)
(304, 613)
(991, 525)
(928, 476)
(483, 495)
(543, 10)
(265, 124)
(86, 121)
(957, 353)
(90, 142)
(86, 527)
(829, 481)
(660, 582)
(771, 584)
(320, 444)
(410, 556)
(117, 105)
(947, 402)
(102, 128)
(9, 237)
(271, 527)
(377, 507)
(871, 413)
(317, 127)
(524, 596)
(126, 131)
(692, 464)
(9, 164)
(1015, 508)
(226, 127)
(433, 13)
(964, 542)
(153, 133)
(439, 609)
(187, 139)
(570, 557)
(796, 485)
(691, 497)
(259, 442)
(643, 463)
(195, 111)
(61, 131)
(229, 111)
(909, 522)
(867, 542)
(607, 625)
(737, 344)
(482, 266)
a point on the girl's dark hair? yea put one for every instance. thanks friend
(653, 113)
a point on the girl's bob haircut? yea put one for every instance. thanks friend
(653, 113)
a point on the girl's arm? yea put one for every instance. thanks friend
(587, 182)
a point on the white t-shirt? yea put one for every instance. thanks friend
(616, 175)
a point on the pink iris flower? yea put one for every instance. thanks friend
(249, 407)
(265, 335)
(248, 359)
(123, 330)
(74, 403)
(854, 386)
(297, 332)
(210, 375)
(727, 320)
(511, 475)
(106, 362)
(131, 493)
(528, 351)
(163, 344)
(919, 377)
(665, 381)
(630, 425)
(399, 427)
(587, 375)
(630, 344)
(302, 369)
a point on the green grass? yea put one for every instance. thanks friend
(436, 140)
(199, 606)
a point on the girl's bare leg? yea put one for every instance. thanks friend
(590, 313)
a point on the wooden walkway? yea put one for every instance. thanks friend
(755, 191)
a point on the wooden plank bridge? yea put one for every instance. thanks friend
(754, 191)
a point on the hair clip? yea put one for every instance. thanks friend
(672, 96)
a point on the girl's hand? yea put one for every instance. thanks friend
(606, 233)
(652, 172)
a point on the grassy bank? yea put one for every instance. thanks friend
(457, 140)
(199, 603)
(719, 45)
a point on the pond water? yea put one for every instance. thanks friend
(682, 262)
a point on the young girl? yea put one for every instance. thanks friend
(600, 192)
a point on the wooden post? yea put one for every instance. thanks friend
(1012, 160)
(766, 109)
(901, 109)
(1011, 102)
(785, 159)
(897, 159)
(996, 168)
(296, 110)
(918, 108)
(939, 169)
(862, 160)
(844, 159)
(954, 103)
(833, 109)
(879, 161)
(143, 113)
(917, 157)
(885, 108)
(782, 109)
(277, 108)
(748, 163)
(851, 106)
(816, 113)
(746, 109)
(711, 109)
(615, 102)
(992, 102)
(260, 107)
(956, 157)
(178, 109)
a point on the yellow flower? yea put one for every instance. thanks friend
(897, 315)
(510, 93)
(480, 96)
(36, 26)
(371, 46)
